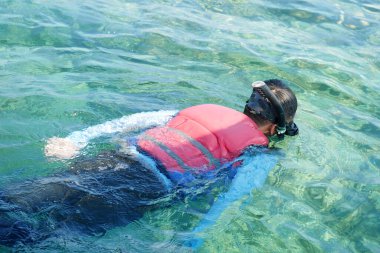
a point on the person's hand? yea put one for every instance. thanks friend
(61, 148)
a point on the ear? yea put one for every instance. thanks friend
(272, 129)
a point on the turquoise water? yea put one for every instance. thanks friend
(66, 65)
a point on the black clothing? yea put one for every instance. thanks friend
(95, 194)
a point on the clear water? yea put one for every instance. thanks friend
(66, 65)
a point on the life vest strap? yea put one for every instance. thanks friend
(167, 150)
(215, 163)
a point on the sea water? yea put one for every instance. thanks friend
(67, 65)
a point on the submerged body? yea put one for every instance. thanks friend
(115, 188)
(93, 196)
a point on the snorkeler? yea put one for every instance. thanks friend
(117, 187)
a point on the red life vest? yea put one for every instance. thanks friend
(200, 138)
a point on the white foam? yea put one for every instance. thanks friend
(134, 122)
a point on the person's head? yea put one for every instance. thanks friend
(264, 112)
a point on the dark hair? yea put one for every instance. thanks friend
(287, 100)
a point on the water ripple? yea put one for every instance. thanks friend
(67, 65)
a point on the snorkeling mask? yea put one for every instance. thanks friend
(265, 104)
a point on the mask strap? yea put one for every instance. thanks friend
(264, 90)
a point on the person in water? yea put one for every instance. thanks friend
(117, 187)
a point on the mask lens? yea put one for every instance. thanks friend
(257, 104)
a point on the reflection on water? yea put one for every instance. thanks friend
(65, 66)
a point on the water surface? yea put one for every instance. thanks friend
(67, 65)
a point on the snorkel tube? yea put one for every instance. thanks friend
(265, 92)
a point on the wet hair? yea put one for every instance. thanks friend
(286, 98)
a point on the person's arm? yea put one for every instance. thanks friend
(252, 174)
(68, 147)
